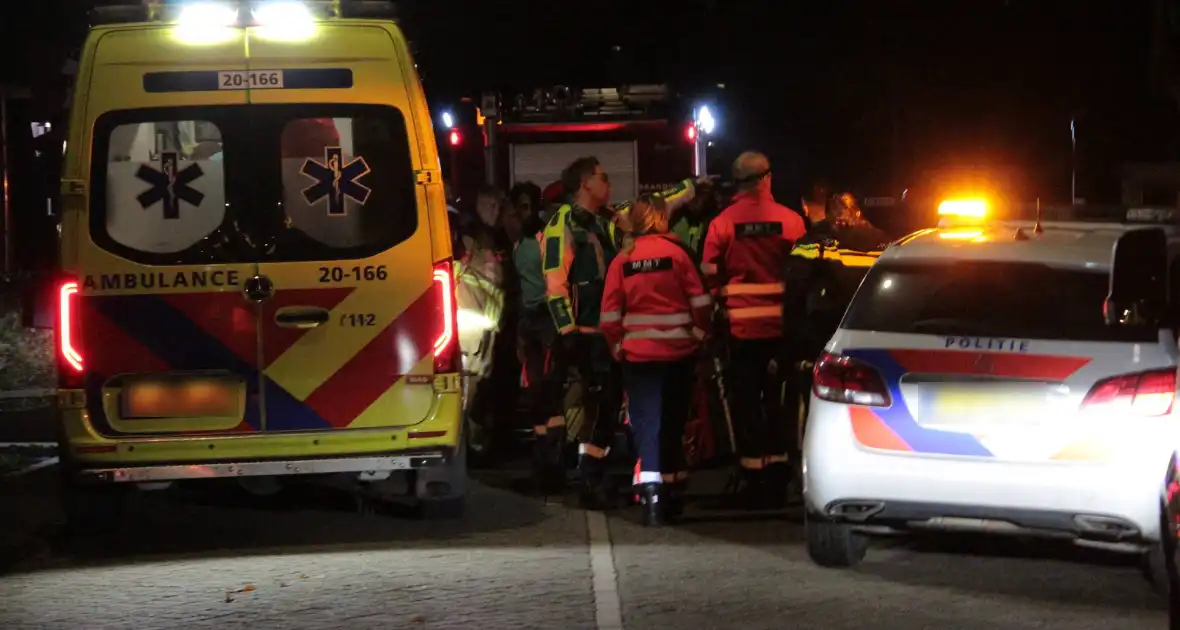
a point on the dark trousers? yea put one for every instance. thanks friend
(544, 379)
(659, 399)
(602, 395)
(766, 432)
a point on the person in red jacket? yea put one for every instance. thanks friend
(743, 261)
(655, 312)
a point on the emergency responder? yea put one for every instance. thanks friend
(580, 241)
(655, 312)
(691, 224)
(745, 250)
(544, 380)
(823, 271)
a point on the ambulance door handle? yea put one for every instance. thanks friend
(301, 316)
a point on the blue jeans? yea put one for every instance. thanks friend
(659, 400)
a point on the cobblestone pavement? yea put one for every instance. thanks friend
(309, 561)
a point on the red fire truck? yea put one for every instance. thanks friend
(643, 135)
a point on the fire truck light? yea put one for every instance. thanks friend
(455, 138)
(691, 133)
(448, 120)
(706, 121)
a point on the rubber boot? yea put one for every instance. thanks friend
(778, 478)
(650, 495)
(595, 494)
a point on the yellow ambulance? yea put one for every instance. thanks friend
(257, 265)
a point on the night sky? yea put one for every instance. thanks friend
(868, 92)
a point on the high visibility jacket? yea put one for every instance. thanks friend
(745, 249)
(655, 306)
(578, 248)
(691, 233)
(479, 291)
(823, 272)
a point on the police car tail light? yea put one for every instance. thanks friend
(1142, 393)
(69, 357)
(845, 380)
(447, 358)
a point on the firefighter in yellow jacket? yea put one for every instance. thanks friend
(580, 240)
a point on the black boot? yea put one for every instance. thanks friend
(751, 490)
(548, 473)
(650, 495)
(778, 478)
(674, 498)
(595, 493)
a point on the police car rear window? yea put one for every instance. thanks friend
(1003, 299)
(252, 183)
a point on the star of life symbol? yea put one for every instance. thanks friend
(170, 184)
(334, 181)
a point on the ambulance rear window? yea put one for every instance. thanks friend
(993, 299)
(256, 183)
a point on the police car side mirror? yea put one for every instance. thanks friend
(1138, 294)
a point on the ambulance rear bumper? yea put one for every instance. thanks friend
(271, 468)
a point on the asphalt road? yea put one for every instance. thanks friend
(308, 560)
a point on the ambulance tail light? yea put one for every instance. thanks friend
(447, 357)
(1149, 393)
(70, 366)
(845, 380)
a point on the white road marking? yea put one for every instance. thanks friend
(608, 612)
(52, 461)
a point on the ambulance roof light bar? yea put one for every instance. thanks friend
(130, 11)
(967, 212)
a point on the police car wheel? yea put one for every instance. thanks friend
(1155, 562)
(834, 545)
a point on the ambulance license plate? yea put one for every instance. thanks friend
(181, 398)
(250, 80)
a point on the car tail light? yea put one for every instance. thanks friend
(1142, 393)
(69, 356)
(846, 380)
(447, 358)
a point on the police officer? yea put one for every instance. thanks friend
(823, 272)
(745, 250)
(580, 240)
(655, 312)
(691, 224)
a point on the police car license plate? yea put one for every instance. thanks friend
(250, 80)
(996, 405)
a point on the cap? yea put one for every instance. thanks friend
(553, 193)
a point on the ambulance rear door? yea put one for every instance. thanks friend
(349, 291)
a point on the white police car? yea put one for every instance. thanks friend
(999, 376)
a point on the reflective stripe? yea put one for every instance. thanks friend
(597, 452)
(657, 333)
(698, 333)
(777, 459)
(646, 476)
(609, 316)
(751, 463)
(672, 319)
(555, 421)
(709, 269)
(700, 301)
(753, 288)
(756, 312)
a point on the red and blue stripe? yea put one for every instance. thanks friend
(894, 428)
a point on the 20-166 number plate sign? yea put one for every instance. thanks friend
(250, 80)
